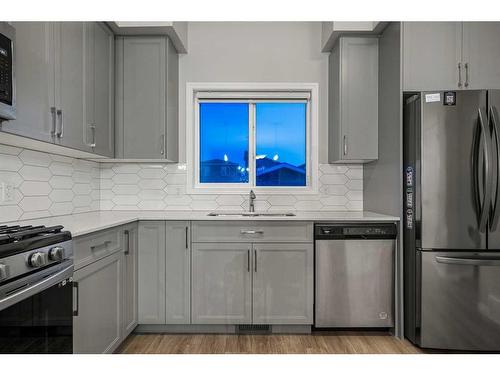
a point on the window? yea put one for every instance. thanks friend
(251, 139)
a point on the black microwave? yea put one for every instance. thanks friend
(7, 72)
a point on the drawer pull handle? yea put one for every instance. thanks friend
(104, 244)
(252, 231)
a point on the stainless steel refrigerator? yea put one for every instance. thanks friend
(451, 232)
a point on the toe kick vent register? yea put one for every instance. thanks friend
(253, 329)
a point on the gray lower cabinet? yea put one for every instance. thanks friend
(353, 100)
(152, 272)
(221, 283)
(130, 284)
(283, 283)
(146, 98)
(99, 293)
(178, 271)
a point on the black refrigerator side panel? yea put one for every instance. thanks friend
(410, 223)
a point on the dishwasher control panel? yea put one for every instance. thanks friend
(360, 231)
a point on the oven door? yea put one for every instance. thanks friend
(36, 312)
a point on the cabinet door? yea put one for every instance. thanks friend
(152, 272)
(178, 271)
(34, 81)
(70, 85)
(144, 98)
(283, 284)
(359, 98)
(431, 53)
(97, 326)
(103, 61)
(221, 284)
(130, 279)
(481, 46)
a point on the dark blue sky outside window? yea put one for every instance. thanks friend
(224, 142)
(281, 144)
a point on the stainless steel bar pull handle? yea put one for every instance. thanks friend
(187, 234)
(488, 184)
(53, 114)
(104, 244)
(127, 242)
(466, 65)
(248, 260)
(345, 144)
(459, 74)
(60, 133)
(244, 231)
(162, 144)
(494, 214)
(255, 259)
(466, 261)
(92, 128)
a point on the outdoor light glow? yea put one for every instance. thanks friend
(275, 157)
(225, 157)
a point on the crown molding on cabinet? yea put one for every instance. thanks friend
(331, 31)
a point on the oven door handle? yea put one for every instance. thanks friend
(30, 290)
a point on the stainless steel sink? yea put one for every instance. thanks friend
(252, 214)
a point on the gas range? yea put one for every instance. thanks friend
(26, 249)
(36, 289)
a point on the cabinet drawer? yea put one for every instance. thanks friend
(252, 231)
(97, 245)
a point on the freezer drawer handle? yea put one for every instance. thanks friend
(469, 261)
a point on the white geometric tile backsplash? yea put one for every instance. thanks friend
(47, 185)
(144, 186)
(50, 185)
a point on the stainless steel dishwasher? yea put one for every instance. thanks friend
(354, 275)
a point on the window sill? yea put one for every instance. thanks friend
(256, 189)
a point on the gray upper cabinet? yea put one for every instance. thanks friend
(481, 52)
(64, 85)
(283, 284)
(353, 100)
(451, 55)
(97, 326)
(221, 284)
(100, 99)
(35, 81)
(152, 272)
(70, 87)
(178, 272)
(146, 98)
(130, 285)
(431, 55)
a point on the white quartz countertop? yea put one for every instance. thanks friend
(88, 222)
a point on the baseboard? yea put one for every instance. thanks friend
(216, 328)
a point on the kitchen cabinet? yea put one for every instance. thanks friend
(283, 283)
(221, 283)
(450, 55)
(146, 98)
(431, 54)
(35, 94)
(130, 285)
(178, 272)
(100, 99)
(98, 292)
(151, 261)
(64, 84)
(481, 52)
(353, 100)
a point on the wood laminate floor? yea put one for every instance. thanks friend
(316, 343)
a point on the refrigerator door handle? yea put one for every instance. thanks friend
(465, 261)
(494, 214)
(488, 185)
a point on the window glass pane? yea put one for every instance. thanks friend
(280, 144)
(223, 142)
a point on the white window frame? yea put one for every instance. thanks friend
(250, 93)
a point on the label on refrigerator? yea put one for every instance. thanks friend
(409, 199)
(409, 176)
(436, 97)
(409, 218)
(450, 98)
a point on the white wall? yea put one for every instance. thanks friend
(254, 52)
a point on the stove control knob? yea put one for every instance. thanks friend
(36, 260)
(4, 271)
(56, 253)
